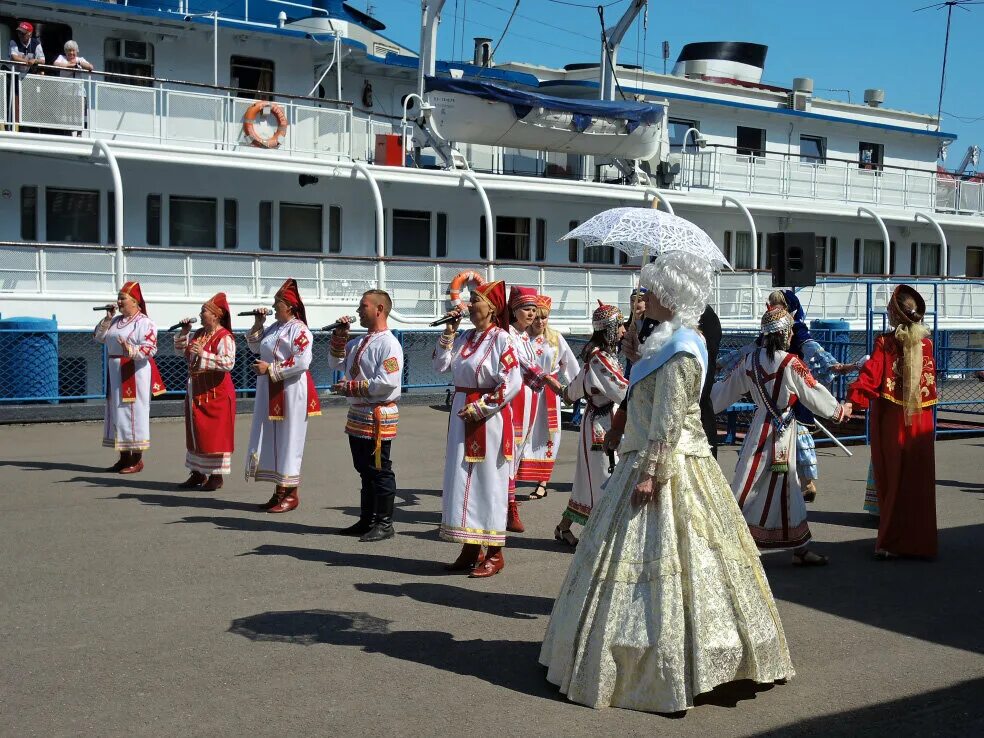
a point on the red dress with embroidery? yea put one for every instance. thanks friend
(903, 457)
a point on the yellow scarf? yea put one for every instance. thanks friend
(910, 336)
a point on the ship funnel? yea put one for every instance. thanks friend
(723, 60)
(483, 52)
(874, 98)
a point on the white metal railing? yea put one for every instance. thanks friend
(788, 176)
(419, 286)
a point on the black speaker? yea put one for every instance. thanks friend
(794, 259)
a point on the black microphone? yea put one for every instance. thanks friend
(255, 311)
(339, 323)
(103, 307)
(186, 321)
(447, 319)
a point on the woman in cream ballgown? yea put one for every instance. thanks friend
(665, 598)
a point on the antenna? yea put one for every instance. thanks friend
(949, 5)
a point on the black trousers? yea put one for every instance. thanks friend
(375, 482)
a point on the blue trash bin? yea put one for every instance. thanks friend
(28, 359)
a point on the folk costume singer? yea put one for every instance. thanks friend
(373, 372)
(210, 400)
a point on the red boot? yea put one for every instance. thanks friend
(136, 464)
(213, 483)
(513, 523)
(196, 479)
(121, 463)
(493, 564)
(287, 503)
(275, 498)
(471, 556)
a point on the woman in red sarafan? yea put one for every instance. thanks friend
(898, 383)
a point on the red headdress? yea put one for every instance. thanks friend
(494, 293)
(522, 297)
(132, 289)
(544, 303)
(289, 294)
(219, 307)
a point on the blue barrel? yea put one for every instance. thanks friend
(28, 359)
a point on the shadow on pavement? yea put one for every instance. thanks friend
(513, 541)
(269, 523)
(54, 466)
(188, 500)
(499, 662)
(952, 711)
(128, 481)
(848, 519)
(967, 486)
(518, 606)
(937, 601)
(399, 564)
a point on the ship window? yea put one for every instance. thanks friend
(738, 248)
(192, 221)
(870, 155)
(677, 129)
(265, 236)
(442, 235)
(300, 227)
(411, 233)
(974, 266)
(512, 238)
(111, 217)
(750, 141)
(826, 254)
(253, 75)
(572, 243)
(334, 229)
(230, 224)
(869, 256)
(925, 259)
(72, 215)
(813, 150)
(153, 220)
(541, 239)
(599, 255)
(134, 58)
(29, 213)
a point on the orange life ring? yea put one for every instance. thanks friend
(249, 124)
(461, 279)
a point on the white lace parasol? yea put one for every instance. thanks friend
(645, 231)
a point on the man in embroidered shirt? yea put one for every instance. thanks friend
(372, 367)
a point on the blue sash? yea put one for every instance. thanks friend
(683, 340)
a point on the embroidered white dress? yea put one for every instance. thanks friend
(524, 404)
(554, 357)
(771, 500)
(601, 384)
(475, 493)
(667, 600)
(276, 447)
(126, 423)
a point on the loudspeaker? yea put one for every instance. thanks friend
(794, 259)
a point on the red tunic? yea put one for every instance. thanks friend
(210, 410)
(903, 457)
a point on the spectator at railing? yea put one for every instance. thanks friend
(25, 47)
(71, 62)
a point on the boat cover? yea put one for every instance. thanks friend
(634, 113)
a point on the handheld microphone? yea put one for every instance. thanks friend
(186, 321)
(447, 319)
(255, 311)
(103, 307)
(339, 323)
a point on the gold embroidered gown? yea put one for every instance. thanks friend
(668, 600)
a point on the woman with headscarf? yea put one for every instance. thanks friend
(766, 484)
(210, 400)
(665, 598)
(479, 453)
(285, 397)
(559, 366)
(132, 377)
(602, 385)
(898, 386)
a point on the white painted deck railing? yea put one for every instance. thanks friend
(419, 286)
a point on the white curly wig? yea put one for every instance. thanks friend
(682, 283)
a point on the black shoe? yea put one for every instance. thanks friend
(360, 528)
(381, 530)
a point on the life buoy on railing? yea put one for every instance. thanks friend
(469, 277)
(249, 124)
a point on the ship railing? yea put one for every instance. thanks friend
(724, 168)
(121, 107)
(419, 286)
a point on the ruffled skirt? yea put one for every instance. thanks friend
(666, 601)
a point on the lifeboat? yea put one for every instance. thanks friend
(495, 115)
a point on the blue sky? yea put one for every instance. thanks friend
(841, 44)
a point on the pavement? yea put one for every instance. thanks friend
(130, 608)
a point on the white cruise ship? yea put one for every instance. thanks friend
(227, 146)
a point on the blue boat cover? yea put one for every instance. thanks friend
(523, 102)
